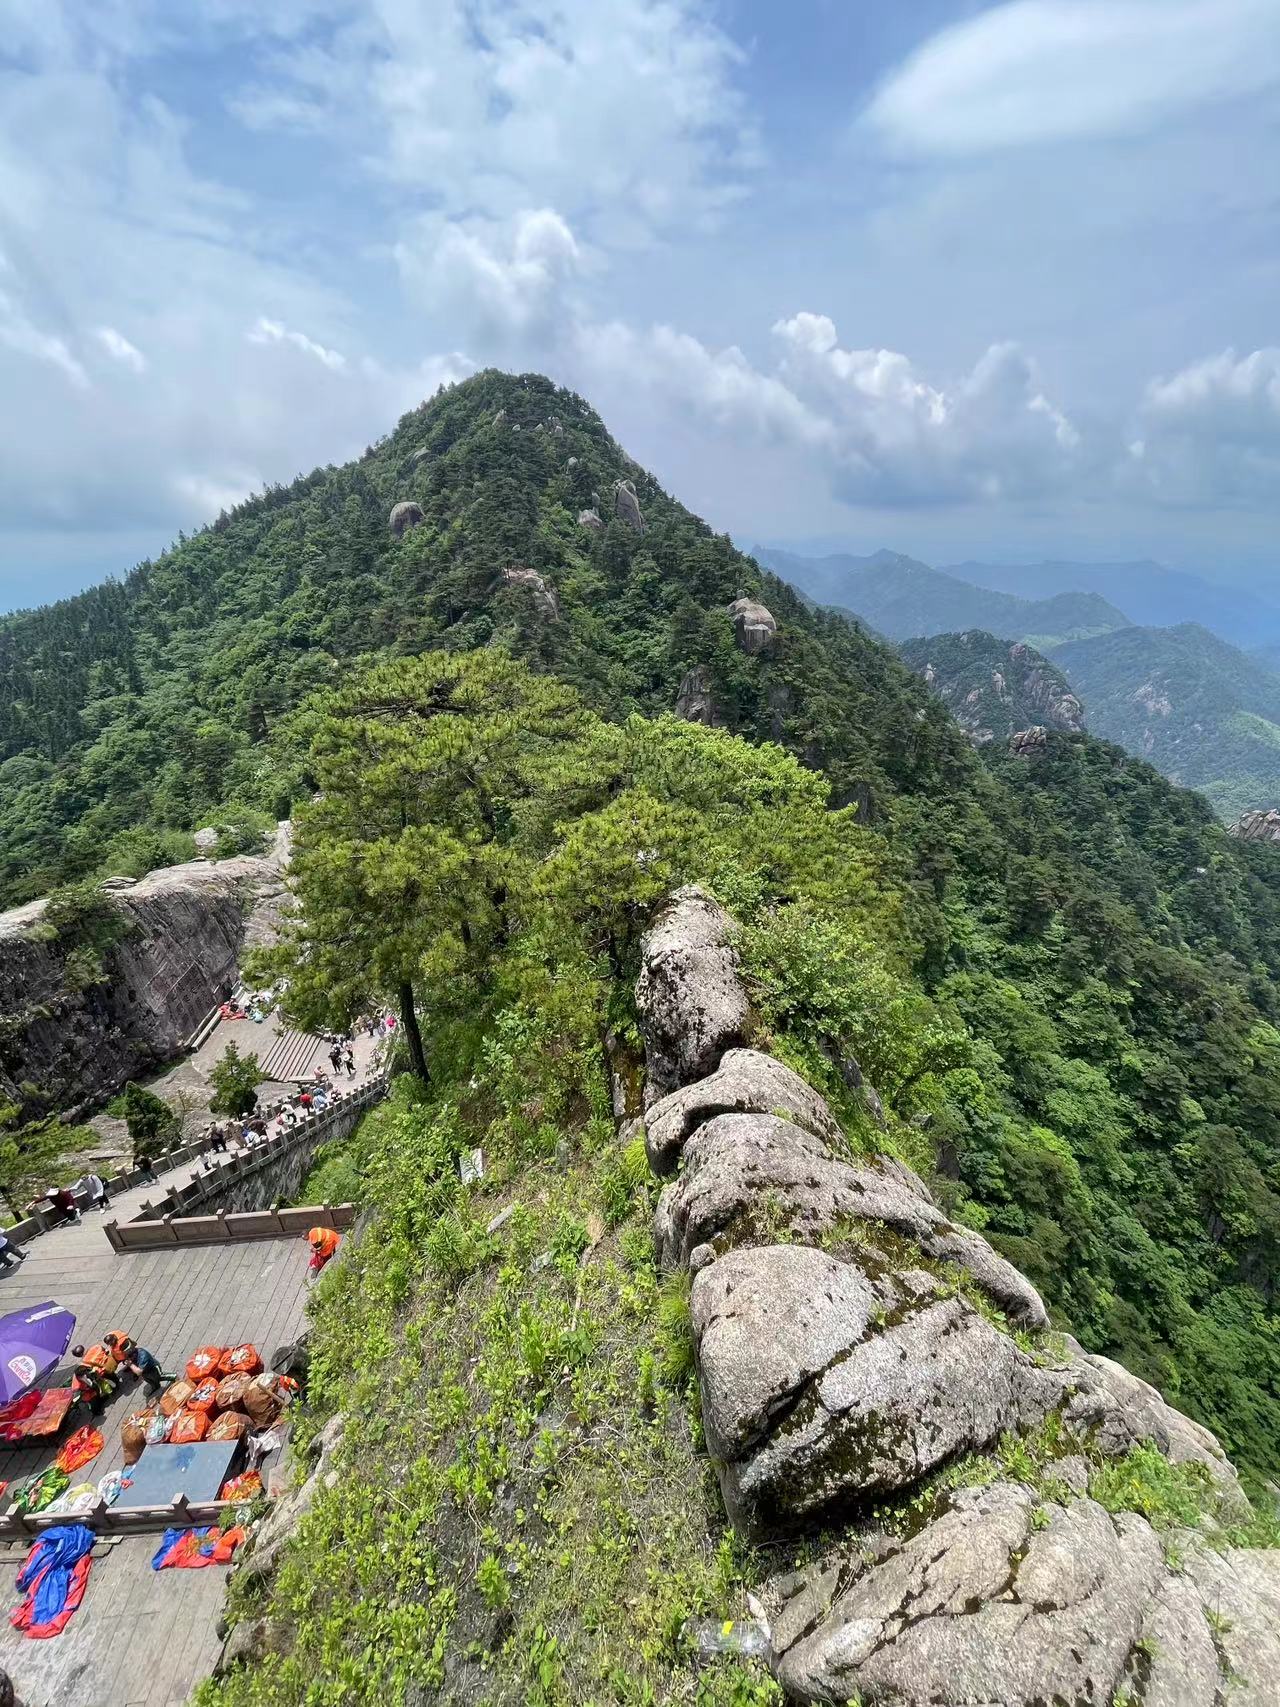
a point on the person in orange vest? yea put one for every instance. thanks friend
(94, 1377)
(324, 1242)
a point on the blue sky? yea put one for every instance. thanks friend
(960, 279)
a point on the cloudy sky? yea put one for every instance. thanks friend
(953, 277)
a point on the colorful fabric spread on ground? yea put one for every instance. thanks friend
(82, 1448)
(187, 1549)
(42, 1490)
(14, 1416)
(54, 1579)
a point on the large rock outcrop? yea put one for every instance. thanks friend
(1258, 826)
(180, 935)
(993, 687)
(692, 1003)
(753, 624)
(696, 700)
(626, 505)
(850, 1340)
(544, 599)
(404, 516)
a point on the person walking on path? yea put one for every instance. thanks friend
(11, 1255)
(145, 1168)
(349, 1062)
(96, 1186)
(62, 1204)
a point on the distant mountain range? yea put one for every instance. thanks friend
(1200, 709)
(1151, 594)
(901, 598)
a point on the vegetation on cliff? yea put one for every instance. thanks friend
(1096, 956)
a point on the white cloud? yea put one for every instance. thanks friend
(21, 335)
(621, 113)
(120, 349)
(501, 280)
(1050, 70)
(884, 433)
(1211, 432)
(265, 331)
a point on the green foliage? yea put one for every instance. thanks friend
(1169, 1496)
(32, 1154)
(992, 688)
(1198, 707)
(149, 1118)
(234, 1081)
(1076, 965)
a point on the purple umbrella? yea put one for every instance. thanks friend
(32, 1342)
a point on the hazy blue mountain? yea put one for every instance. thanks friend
(901, 598)
(1150, 593)
(1198, 708)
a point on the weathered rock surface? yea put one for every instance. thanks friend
(626, 505)
(749, 1177)
(824, 1385)
(695, 699)
(590, 519)
(183, 932)
(992, 1605)
(842, 1358)
(747, 1081)
(691, 1001)
(517, 575)
(993, 687)
(404, 516)
(1258, 826)
(753, 624)
(1029, 743)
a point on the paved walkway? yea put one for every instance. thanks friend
(144, 1638)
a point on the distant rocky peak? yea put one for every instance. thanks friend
(1258, 826)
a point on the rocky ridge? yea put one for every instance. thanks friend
(1258, 826)
(851, 1341)
(993, 688)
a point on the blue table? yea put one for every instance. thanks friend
(197, 1470)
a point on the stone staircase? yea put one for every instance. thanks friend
(292, 1057)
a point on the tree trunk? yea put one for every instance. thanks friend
(409, 1020)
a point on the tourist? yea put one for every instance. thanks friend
(217, 1138)
(335, 1057)
(96, 1186)
(10, 1255)
(143, 1161)
(349, 1062)
(62, 1204)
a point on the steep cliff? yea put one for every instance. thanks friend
(72, 1035)
(879, 1378)
(992, 688)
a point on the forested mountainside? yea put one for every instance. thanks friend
(1201, 710)
(1152, 595)
(1058, 970)
(901, 598)
(993, 688)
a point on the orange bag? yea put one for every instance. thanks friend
(240, 1360)
(176, 1397)
(81, 1448)
(204, 1362)
(231, 1391)
(188, 1428)
(205, 1397)
(231, 1425)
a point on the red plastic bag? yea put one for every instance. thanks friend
(188, 1428)
(204, 1362)
(240, 1360)
(205, 1397)
(82, 1448)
